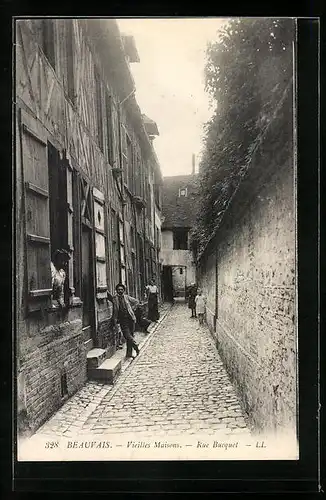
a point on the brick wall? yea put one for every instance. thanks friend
(253, 255)
(39, 375)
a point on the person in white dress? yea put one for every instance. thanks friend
(200, 301)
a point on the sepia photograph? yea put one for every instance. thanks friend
(155, 165)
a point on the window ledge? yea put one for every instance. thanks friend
(76, 302)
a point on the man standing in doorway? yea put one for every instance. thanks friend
(124, 315)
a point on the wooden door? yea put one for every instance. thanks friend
(167, 283)
(87, 283)
(87, 261)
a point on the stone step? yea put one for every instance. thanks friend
(95, 357)
(108, 371)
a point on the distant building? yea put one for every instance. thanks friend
(178, 210)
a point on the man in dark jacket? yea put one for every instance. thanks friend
(124, 315)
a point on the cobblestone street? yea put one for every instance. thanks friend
(176, 385)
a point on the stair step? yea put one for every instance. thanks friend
(95, 357)
(108, 371)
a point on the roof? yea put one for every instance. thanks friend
(130, 48)
(150, 126)
(179, 211)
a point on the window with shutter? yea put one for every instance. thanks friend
(100, 244)
(37, 219)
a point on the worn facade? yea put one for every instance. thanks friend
(88, 180)
(179, 208)
(248, 273)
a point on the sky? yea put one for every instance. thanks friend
(170, 84)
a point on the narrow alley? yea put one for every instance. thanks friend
(152, 189)
(177, 385)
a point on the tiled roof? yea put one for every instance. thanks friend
(179, 211)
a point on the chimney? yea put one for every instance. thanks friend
(193, 163)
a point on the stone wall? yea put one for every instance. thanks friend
(254, 258)
(256, 305)
(207, 281)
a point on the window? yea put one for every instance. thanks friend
(115, 127)
(157, 195)
(69, 56)
(130, 174)
(141, 262)
(149, 202)
(132, 238)
(181, 270)
(109, 128)
(61, 190)
(100, 243)
(128, 159)
(158, 238)
(180, 239)
(48, 43)
(138, 190)
(115, 248)
(99, 113)
(183, 192)
(58, 199)
(122, 252)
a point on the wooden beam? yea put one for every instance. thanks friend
(37, 189)
(34, 238)
(40, 293)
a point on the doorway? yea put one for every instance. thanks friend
(87, 284)
(167, 284)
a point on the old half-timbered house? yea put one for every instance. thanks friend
(88, 183)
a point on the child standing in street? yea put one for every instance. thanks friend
(200, 301)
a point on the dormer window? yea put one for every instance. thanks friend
(183, 192)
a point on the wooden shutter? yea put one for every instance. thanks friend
(70, 225)
(100, 244)
(76, 184)
(37, 217)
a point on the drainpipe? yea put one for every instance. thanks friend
(122, 192)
